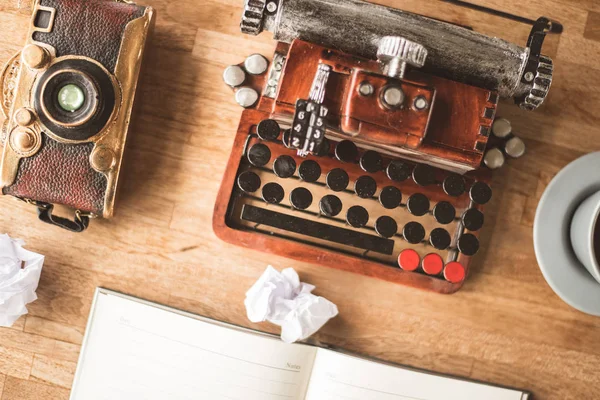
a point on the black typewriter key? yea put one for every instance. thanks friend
(249, 182)
(424, 175)
(454, 185)
(468, 244)
(390, 197)
(268, 130)
(473, 219)
(346, 151)
(309, 171)
(330, 205)
(284, 167)
(273, 193)
(480, 193)
(371, 162)
(301, 198)
(365, 187)
(386, 227)
(285, 138)
(338, 180)
(440, 239)
(413, 232)
(357, 216)
(324, 149)
(418, 204)
(259, 155)
(444, 212)
(399, 171)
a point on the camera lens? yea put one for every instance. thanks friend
(71, 97)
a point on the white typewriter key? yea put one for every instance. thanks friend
(501, 128)
(256, 64)
(234, 76)
(494, 159)
(246, 97)
(515, 147)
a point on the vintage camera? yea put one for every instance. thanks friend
(67, 97)
(362, 144)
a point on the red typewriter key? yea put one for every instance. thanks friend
(433, 264)
(455, 272)
(409, 260)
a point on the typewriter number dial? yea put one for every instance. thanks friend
(308, 129)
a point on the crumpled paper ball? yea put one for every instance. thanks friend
(20, 272)
(280, 298)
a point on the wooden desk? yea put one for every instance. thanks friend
(505, 326)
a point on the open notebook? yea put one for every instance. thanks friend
(136, 350)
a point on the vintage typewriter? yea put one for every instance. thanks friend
(361, 145)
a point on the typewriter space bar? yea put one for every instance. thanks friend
(317, 230)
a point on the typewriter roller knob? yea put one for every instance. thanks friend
(395, 53)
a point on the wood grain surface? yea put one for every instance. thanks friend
(505, 326)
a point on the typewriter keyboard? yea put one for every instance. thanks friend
(397, 213)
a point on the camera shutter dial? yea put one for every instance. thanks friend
(35, 57)
(395, 53)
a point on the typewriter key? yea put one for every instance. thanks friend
(234, 76)
(515, 148)
(473, 219)
(357, 216)
(268, 129)
(259, 155)
(273, 193)
(338, 180)
(454, 185)
(386, 227)
(480, 193)
(365, 187)
(418, 204)
(301, 198)
(390, 197)
(256, 64)
(433, 264)
(285, 138)
(309, 171)
(440, 239)
(346, 151)
(444, 212)
(284, 167)
(454, 272)
(424, 175)
(398, 171)
(323, 149)
(468, 244)
(330, 205)
(371, 162)
(249, 182)
(413, 232)
(501, 128)
(409, 260)
(494, 158)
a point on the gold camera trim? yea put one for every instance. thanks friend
(109, 144)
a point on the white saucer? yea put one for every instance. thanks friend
(563, 272)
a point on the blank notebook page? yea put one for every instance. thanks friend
(341, 377)
(136, 351)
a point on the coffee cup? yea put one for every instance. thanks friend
(585, 234)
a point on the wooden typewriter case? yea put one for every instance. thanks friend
(456, 131)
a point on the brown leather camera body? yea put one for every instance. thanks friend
(72, 157)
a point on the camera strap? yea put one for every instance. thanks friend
(79, 224)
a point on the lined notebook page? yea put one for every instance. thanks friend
(340, 377)
(137, 351)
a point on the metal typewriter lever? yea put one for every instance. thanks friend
(308, 128)
(395, 53)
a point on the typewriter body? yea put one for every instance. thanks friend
(364, 150)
